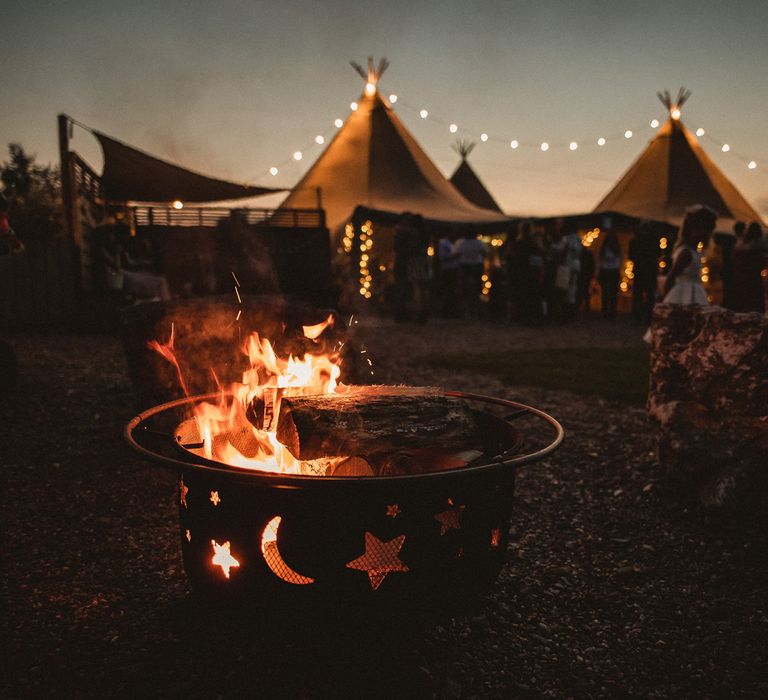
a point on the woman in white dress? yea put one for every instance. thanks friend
(683, 283)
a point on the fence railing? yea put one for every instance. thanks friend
(210, 217)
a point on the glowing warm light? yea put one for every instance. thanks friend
(628, 134)
(726, 148)
(353, 106)
(215, 499)
(423, 114)
(601, 141)
(222, 557)
(705, 278)
(699, 247)
(273, 171)
(573, 145)
(274, 559)
(453, 128)
(663, 242)
(700, 132)
(430, 251)
(393, 99)
(319, 139)
(751, 165)
(297, 155)
(370, 89)
(544, 146)
(338, 123)
(483, 137)
(654, 123)
(662, 264)
(675, 113)
(178, 205)
(513, 144)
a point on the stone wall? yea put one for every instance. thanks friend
(708, 399)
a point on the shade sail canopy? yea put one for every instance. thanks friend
(132, 175)
(466, 181)
(374, 162)
(672, 174)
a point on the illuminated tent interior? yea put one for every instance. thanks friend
(674, 173)
(466, 181)
(374, 162)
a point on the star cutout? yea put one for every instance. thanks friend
(379, 559)
(215, 498)
(223, 557)
(449, 519)
(188, 535)
(183, 491)
(393, 511)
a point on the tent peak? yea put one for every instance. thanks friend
(372, 75)
(674, 106)
(463, 147)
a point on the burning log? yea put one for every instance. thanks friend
(371, 421)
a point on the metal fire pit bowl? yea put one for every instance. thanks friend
(392, 541)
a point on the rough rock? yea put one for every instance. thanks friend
(708, 399)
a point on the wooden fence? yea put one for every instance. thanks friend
(37, 288)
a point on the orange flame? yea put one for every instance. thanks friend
(239, 428)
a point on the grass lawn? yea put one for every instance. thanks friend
(612, 373)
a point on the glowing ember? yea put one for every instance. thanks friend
(223, 557)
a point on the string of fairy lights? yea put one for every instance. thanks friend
(511, 143)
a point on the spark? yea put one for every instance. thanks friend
(237, 294)
(238, 315)
(234, 276)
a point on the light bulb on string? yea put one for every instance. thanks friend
(453, 128)
(393, 99)
(675, 113)
(654, 123)
(544, 146)
(319, 139)
(338, 123)
(573, 145)
(726, 148)
(751, 165)
(423, 114)
(370, 89)
(297, 155)
(601, 141)
(700, 132)
(513, 144)
(628, 134)
(483, 137)
(353, 106)
(273, 171)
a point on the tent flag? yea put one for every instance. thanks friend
(132, 175)
(672, 174)
(374, 162)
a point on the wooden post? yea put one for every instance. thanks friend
(67, 186)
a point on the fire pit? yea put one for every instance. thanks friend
(393, 540)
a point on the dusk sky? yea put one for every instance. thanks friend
(233, 88)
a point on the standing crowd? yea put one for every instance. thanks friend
(551, 275)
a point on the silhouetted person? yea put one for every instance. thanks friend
(472, 253)
(448, 282)
(644, 254)
(727, 247)
(586, 273)
(749, 260)
(567, 252)
(683, 284)
(525, 263)
(419, 269)
(609, 264)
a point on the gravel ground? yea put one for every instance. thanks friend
(616, 584)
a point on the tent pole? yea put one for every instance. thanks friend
(65, 169)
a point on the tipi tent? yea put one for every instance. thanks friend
(374, 162)
(672, 174)
(466, 181)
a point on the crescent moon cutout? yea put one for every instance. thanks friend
(274, 559)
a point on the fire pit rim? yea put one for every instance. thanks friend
(279, 480)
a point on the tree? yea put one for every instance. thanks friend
(34, 194)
